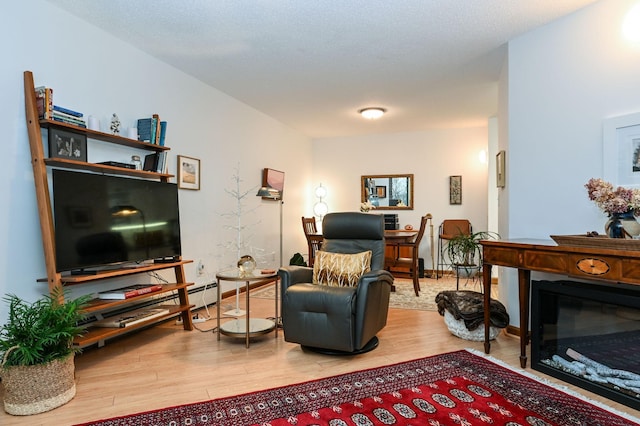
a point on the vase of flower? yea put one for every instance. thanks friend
(620, 204)
(622, 225)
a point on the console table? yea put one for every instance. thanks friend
(599, 264)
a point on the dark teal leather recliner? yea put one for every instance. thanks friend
(339, 320)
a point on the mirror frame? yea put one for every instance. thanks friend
(364, 195)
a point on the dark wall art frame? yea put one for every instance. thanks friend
(67, 145)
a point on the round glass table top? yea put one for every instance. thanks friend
(235, 274)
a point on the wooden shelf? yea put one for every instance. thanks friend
(103, 168)
(95, 335)
(101, 136)
(97, 305)
(120, 272)
(55, 280)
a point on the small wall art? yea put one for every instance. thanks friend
(501, 169)
(455, 189)
(188, 173)
(69, 145)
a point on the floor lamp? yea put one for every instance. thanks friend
(273, 194)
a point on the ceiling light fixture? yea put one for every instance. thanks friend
(372, 113)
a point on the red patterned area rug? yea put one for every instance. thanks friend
(457, 388)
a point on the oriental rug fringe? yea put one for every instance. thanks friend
(457, 388)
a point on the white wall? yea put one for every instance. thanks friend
(564, 79)
(431, 156)
(93, 72)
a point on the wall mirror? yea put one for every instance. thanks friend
(388, 192)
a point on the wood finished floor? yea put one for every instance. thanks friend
(164, 365)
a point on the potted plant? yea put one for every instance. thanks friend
(464, 251)
(37, 349)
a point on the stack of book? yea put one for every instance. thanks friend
(129, 292)
(48, 111)
(152, 130)
(156, 162)
(131, 318)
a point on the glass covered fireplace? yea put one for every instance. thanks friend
(588, 335)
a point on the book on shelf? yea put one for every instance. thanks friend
(129, 292)
(162, 162)
(151, 162)
(67, 111)
(163, 132)
(44, 102)
(128, 319)
(68, 118)
(149, 129)
(156, 122)
(144, 129)
(64, 120)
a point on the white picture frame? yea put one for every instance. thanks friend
(621, 150)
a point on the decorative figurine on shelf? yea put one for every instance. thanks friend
(246, 264)
(115, 124)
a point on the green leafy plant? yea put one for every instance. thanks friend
(465, 249)
(42, 331)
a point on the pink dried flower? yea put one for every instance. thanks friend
(613, 201)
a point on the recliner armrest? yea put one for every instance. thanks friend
(290, 275)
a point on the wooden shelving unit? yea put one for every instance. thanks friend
(55, 279)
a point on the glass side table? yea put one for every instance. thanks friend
(248, 327)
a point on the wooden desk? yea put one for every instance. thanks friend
(392, 239)
(600, 264)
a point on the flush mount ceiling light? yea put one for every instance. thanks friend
(372, 113)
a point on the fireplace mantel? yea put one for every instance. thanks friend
(599, 264)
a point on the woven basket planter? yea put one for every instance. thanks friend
(35, 389)
(457, 328)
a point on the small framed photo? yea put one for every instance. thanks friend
(381, 191)
(188, 173)
(501, 169)
(455, 189)
(69, 145)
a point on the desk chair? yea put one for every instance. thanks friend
(314, 240)
(414, 247)
(449, 228)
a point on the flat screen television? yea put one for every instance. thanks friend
(103, 220)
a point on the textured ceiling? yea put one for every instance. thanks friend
(311, 64)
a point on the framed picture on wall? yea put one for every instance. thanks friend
(188, 172)
(500, 169)
(455, 189)
(622, 150)
(381, 191)
(69, 145)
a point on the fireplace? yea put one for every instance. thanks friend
(588, 335)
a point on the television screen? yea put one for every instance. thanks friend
(274, 179)
(103, 220)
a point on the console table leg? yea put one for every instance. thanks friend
(486, 282)
(524, 279)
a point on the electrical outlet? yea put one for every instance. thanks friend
(200, 268)
(195, 318)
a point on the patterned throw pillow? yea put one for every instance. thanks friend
(340, 270)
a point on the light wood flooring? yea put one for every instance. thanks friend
(164, 365)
